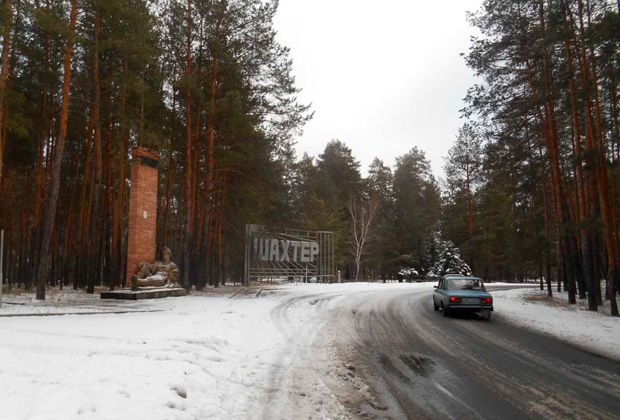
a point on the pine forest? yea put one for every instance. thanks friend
(531, 185)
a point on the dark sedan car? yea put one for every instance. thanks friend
(462, 293)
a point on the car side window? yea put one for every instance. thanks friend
(440, 286)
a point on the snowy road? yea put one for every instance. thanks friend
(421, 365)
(342, 351)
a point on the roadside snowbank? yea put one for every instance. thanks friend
(69, 301)
(596, 332)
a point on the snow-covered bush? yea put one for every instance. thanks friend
(408, 272)
(449, 262)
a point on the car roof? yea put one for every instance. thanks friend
(459, 277)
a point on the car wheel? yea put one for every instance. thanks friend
(446, 311)
(486, 314)
(435, 307)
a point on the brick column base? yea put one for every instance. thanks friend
(141, 242)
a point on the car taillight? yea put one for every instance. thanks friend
(486, 300)
(455, 299)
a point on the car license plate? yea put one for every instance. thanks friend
(471, 300)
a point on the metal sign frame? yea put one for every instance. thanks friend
(276, 253)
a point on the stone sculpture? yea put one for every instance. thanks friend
(163, 273)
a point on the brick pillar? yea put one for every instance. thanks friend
(142, 209)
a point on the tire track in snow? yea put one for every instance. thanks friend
(294, 374)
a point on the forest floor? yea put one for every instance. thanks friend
(533, 309)
(229, 353)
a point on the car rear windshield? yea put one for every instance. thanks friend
(465, 284)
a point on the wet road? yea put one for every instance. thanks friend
(422, 365)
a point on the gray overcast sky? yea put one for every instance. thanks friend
(383, 76)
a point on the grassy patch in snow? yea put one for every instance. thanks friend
(541, 297)
(560, 300)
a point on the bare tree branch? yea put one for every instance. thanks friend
(362, 213)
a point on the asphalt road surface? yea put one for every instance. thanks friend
(424, 366)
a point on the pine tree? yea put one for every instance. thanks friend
(545, 60)
(463, 167)
(417, 203)
(48, 220)
(449, 262)
(382, 250)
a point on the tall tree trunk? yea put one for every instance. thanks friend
(547, 223)
(556, 175)
(68, 248)
(470, 213)
(22, 229)
(554, 155)
(54, 262)
(5, 210)
(117, 238)
(170, 165)
(601, 172)
(616, 124)
(4, 72)
(188, 155)
(82, 227)
(48, 220)
(194, 199)
(9, 223)
(210, 145)
(109, 204)
(93, 238)
(581, 189)
(42, 133)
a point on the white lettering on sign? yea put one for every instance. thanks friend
(285, 246)
(261, 250)
(305, 252)
(314, 250)
(273, 253)
(285, 251)
(295, 248)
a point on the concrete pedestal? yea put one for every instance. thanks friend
(128, 294)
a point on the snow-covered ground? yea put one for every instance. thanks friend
(201, 357)
(209, 355)
(231, 353)
(60, 302)
(597, 332)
